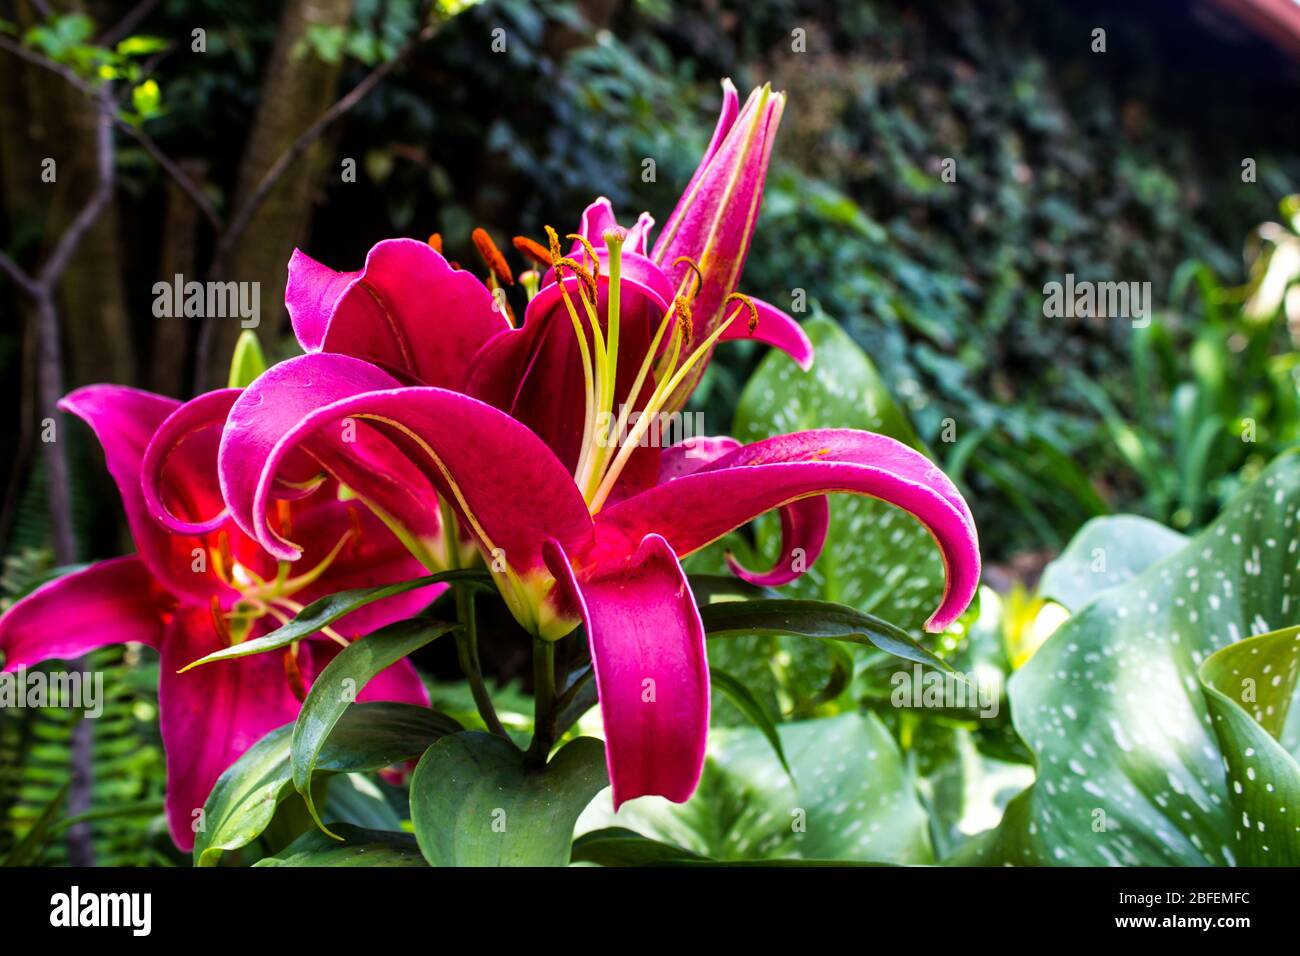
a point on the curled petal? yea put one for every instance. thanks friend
(699, 508)
(407, 310)
(803, 522)
(726, 119)
(647, 652)
(353, 452)
(803, 534)
(111, 602)
(125, 420)
(507, 483)
(777, 329)
(185, 444)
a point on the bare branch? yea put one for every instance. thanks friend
(19, 277)
(187, 185)
(309, 136)
(99, 199)
(128, 23)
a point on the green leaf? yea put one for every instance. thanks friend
(1130, 766)
(475, 802)
(752, 708)
(616, 846)
(357, 846)
(1104, 554)
(325, 611)
(852, 799)
(248, 360)
(816, 619)
(141, 46)
(368, 737)
(22, 853)
(336, 688)
(1248, 688)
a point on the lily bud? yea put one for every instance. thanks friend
(714, 220)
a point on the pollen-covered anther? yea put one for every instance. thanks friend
(496, 262)
(748, 303)
(591, 252)
(533, 250)
(435, 242)
(699, 276)
(588, 280)
(683, 310)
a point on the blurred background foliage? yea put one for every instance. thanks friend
(1122, 166)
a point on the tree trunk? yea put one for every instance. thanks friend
(298, 87)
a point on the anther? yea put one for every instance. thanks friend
(699, 276)
(435, 242)
(748, 303)
(533, 250)
(492, 256)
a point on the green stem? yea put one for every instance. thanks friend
(543, 701)
(467, 652)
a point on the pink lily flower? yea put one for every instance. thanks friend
(563, 547)
(579, 519)
(198, 584)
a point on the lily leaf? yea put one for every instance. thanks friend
(1130, 758)
(476, 802)
(852, 799)
(1105, 553)
(1248, 687)
(751, 707)
(357, 846)
(816, 619)
(616, 846)
(325, 611)
(337, 686)
(367, 737)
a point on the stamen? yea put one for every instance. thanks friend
(293, 673)
(661, 395)
(533, 250)
(591, 252)
(531, 280)
(492, 256)
(435, 242)
(748, 303)
(699, 276)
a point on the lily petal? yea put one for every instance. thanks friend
(777, 329)
(354, 453)
(726, 120)
(125, 420)
(647, 652)
(513, 490)
(211, 715)
(111, 602)
(803, 523)
(407, 310)
(699, 508)
(371, 557)
(186, 445)
(534, 373)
